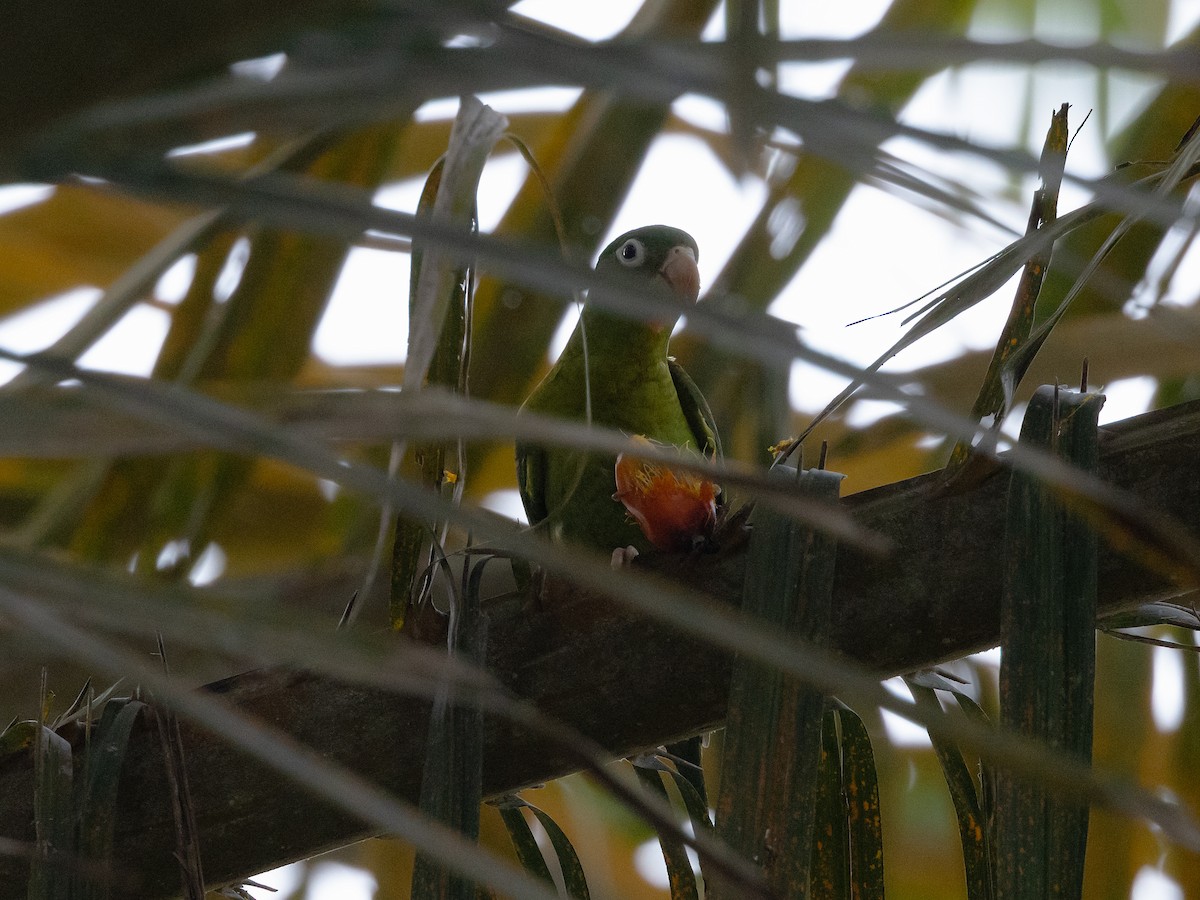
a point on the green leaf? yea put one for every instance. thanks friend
(829, 876)
(528, 851)
(1048, 662)
(847, 849)
(477, 129)
(452, 780)
(411, 546)
(52, 868)
(693, 802)
(96, 799)
(769, 790)
(687, 756)
(999, 384)
(860, 786)
(568, 860)
(441, 293)
(680, 876)
(696, 808)
(972, 822)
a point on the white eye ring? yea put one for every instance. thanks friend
(631, 253)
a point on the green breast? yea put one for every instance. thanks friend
(578, 487)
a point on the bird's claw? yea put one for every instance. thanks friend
(623, 556)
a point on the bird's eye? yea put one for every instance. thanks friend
(631, 253)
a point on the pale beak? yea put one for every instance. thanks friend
(681, 273)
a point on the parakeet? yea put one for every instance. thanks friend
(635, 388)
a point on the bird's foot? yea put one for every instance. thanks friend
(623, 556)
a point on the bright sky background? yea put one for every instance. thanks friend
(910, 251)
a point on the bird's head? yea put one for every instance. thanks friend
(659, 256)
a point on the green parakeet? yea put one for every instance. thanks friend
(635, 388)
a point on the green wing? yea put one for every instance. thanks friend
(695, 410)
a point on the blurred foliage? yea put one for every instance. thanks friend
(258, 293)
